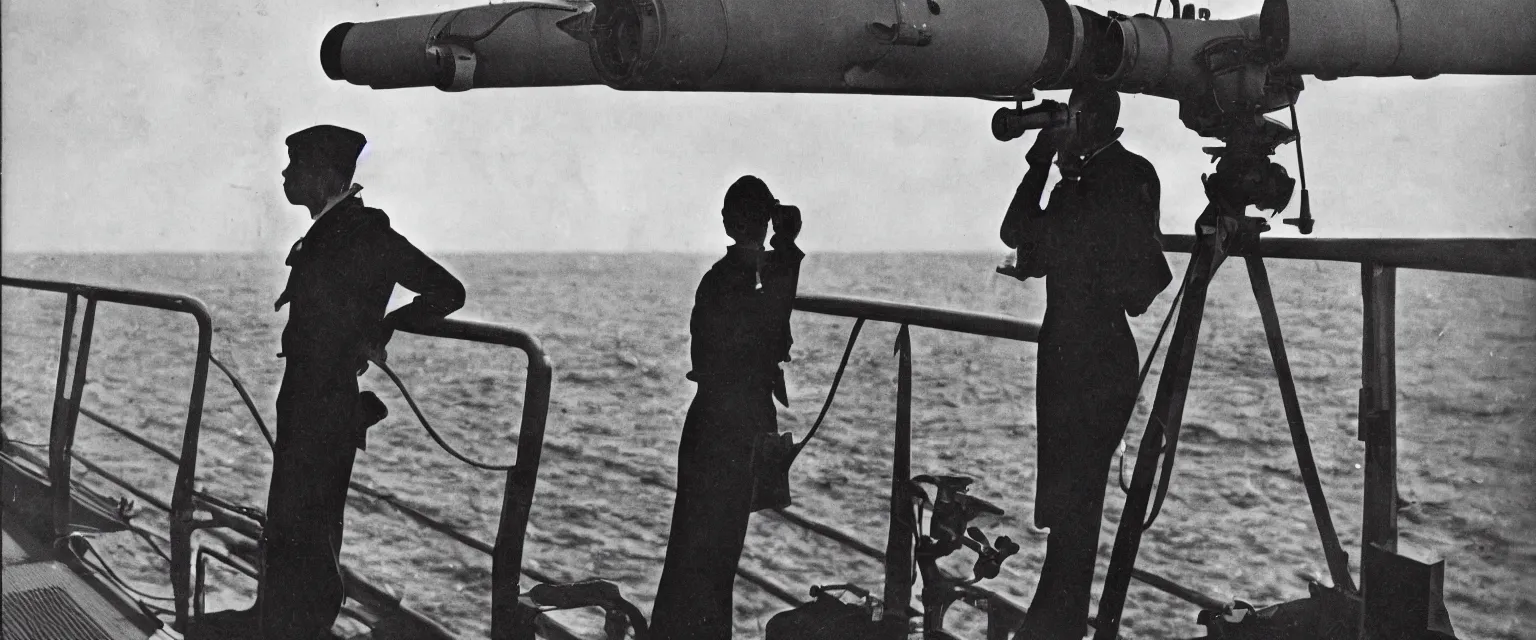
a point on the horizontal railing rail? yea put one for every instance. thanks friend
(981, 324)
(1514, 258)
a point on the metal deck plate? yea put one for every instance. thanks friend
(48, 613)
(48, 601)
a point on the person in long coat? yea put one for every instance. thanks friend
(1098, 246)
(740, 331)
(342, 273)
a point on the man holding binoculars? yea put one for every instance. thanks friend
(740, 330)
(1098, 246)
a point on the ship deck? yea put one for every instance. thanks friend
(50, 595)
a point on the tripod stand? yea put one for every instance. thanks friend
(1244, 177)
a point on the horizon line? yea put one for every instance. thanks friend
(475, 252)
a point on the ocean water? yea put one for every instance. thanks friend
(1236, 524)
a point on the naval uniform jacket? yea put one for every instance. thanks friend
(1098, 246)
(740, 330)
(342, 274)
(740, 320)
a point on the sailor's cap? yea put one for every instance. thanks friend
(328, 142)
(749, 189)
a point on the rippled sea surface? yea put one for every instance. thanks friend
(1237, 523)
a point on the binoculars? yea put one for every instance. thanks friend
(1009, 124)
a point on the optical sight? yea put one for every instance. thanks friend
(1008, 124)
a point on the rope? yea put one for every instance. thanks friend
(1147, 366)
(433, 432)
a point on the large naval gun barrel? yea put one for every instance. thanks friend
(999, 49)
(1419, 38)
(911, 47)
(515, 44)
(985, 48)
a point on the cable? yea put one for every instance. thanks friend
(144, 534)
(832, 392)
(240, 389)
(107, 568)
(485, 34)
(1147, 366)
(433, 432)
(439, 33)
(1300, 166)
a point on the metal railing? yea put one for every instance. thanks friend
(66, 412)
(898, 555)
(517, 498)
(1003, 612)
(521, 480)
(1379, 260)
(1513, 258)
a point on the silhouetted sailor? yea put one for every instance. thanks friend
(341, 275)
(740, 329)
(1098, 246)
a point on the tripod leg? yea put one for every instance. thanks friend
(1338, 559)
(1167, 415)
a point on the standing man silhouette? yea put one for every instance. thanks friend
(342, 273)
(740, 329)
(1098, 246)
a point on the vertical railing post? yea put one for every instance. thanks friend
(898, 545)
(182, 507)
(1378, 424)
(61, 448)
(517, 500)
(1378, 405)
(65, 342)
(60, 411)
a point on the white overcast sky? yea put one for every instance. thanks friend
(159, 128)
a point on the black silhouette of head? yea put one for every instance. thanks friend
(748, 205)
(321, 161)
(1097, 110)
